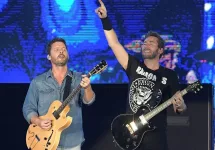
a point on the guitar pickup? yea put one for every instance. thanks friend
(129, 129)
(132, 127)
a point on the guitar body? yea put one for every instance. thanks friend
(122, 136)
(40, 139)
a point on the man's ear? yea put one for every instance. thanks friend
(161, 51)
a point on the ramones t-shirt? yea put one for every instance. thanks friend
(141, 85)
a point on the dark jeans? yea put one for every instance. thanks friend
(154, 140)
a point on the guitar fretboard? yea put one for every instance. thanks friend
(161, 107)
(68, 99)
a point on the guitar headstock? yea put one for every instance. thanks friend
(99, 68)
(194, 87)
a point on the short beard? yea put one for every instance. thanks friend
(61, 64)
(152, 56)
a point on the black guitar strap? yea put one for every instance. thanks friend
(157, 84)
(67, 86)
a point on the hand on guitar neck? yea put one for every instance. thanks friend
(178, 102)
(45, 124)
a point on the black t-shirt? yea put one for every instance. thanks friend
(141, 84)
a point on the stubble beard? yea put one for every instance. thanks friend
(61, 63)
(152, 56)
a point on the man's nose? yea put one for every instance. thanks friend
(145, 46)
(61, 51)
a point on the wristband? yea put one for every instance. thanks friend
(106, 24)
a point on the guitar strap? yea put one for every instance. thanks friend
(67, 86)
(157, 84)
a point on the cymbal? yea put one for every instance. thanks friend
(208, 55)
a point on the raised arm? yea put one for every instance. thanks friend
(118, 50)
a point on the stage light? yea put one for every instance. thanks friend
(207, 7)
(65, 5)
(210, 42)
(53, 31)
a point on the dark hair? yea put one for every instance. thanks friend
(56, 39)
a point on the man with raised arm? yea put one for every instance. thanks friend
(145, 77)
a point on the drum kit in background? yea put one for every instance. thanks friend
(207, 70)
(207, 67)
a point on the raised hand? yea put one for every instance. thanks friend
(101, 11)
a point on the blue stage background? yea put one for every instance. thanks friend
(27, 25)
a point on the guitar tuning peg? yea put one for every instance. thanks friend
(198, 89)
(195, 92)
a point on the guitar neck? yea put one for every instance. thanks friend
(68, 99)
(97, 69)
(161, 107)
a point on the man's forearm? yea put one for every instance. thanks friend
(34, 120)
(118, 49)
(88, 94)
(109, 32)
(111, 37)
